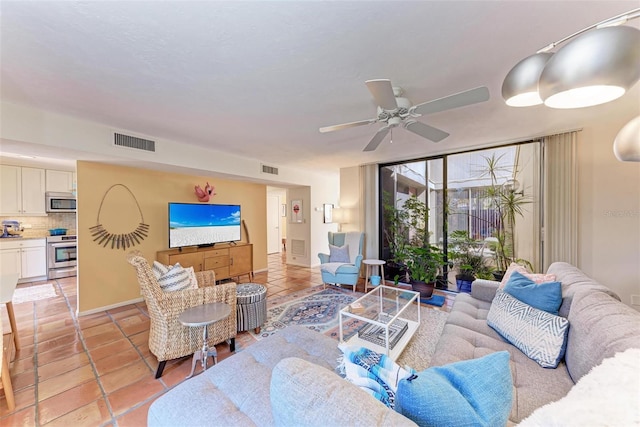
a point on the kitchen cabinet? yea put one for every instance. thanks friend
(27, 257)
(60, 181)
(22, 191)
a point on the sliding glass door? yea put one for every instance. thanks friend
(489, 199)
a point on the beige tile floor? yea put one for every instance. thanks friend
(97, 370)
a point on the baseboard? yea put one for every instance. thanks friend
(109, 307)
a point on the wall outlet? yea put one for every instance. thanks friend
(635, 300)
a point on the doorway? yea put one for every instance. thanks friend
(274, 233)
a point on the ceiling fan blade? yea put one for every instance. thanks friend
(468, 97)
(347, 125)
(377, 138)
(382, 92)
(425, 131)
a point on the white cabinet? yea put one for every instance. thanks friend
(60, 181)
(28, 258)
(21, 191)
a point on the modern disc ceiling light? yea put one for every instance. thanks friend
(520, 87)
(599, 65)
(626, 146)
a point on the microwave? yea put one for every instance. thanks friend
(60, 202)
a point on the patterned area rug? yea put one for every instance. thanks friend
(318, 309)
(33, 293)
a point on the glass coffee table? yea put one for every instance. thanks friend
(387, 324)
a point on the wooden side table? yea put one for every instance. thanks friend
(372, 266)
(204, 315)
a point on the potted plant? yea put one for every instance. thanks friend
(424, 264)
(508, 204)
(470, 264)
(396, 236)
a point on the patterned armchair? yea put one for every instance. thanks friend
(168, 338)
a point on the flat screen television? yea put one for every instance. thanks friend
(194, 224)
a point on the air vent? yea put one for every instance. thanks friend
(136, 143)
(269, 169)
(298, 247)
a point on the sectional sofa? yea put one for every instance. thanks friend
(289, 378)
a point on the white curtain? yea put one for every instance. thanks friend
(368, 176)
(560, 221)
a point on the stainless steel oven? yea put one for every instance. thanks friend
(62, 258)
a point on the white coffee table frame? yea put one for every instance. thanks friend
(374, 302)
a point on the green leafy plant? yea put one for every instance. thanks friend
(465, 258)
(424, 262)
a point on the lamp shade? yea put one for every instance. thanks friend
(596, 67)
(520, 86)
(626, 146)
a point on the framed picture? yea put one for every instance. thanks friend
(283, 210)
(328, 213)
(296, 211)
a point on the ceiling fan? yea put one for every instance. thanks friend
(394, 110)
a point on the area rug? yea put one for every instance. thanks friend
(318, 309)
(33, 293)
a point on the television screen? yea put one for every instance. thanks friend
(192, 224)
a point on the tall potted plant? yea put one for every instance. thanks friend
(508, 205)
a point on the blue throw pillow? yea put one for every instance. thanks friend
(477, 392)
(543, 296)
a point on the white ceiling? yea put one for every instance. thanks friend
(258, 79)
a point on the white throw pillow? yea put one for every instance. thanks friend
(159, 269)
(175, 279)
(192, 278)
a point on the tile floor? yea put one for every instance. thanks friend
(97, 370)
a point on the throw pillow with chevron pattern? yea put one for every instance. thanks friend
(538, 334)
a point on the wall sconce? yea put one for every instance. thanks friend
(596, 67)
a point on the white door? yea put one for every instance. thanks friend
(273, 224)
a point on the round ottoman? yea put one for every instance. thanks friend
(251, 307)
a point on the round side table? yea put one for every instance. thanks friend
(373, 266)
(204, 315)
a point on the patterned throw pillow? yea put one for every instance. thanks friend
(159, 269)
(175, 279)
(476, 392)
(538, 334)
(192, 278)
(339, 253)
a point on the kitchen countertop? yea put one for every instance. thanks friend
(8, 239)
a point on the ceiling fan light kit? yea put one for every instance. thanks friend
(394, 110)
(599, 65)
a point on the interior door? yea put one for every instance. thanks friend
(273, 224)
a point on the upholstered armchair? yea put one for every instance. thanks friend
(168, 338)
(342, 265)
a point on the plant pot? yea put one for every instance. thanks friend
(498, 275)
(464, 282)
(425, 289)
(375, 280)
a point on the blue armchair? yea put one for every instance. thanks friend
(343, 271)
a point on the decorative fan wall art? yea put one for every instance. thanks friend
(125, 240)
